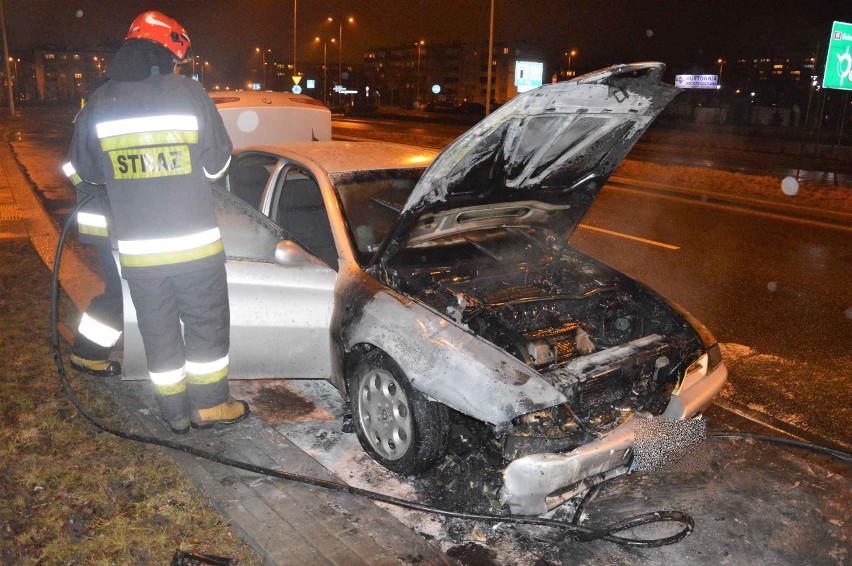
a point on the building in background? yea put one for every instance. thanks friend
(458, 72)
(62, 77)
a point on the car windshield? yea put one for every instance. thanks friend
(372, 201)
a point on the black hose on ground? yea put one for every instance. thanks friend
(839, 454)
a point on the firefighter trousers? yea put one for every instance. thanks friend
(189, 369)
(103, 321)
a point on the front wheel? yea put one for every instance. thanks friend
(396, 425)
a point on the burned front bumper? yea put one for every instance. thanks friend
(535, 483)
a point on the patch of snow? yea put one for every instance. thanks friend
(737, 352)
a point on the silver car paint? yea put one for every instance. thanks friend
(441, 359)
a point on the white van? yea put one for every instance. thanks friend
(265, 117)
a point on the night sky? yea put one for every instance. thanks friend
(688, 35)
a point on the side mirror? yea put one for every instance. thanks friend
(290, 254)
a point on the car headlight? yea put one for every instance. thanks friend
(697, 370)
(706, 336)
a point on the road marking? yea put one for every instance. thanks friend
(715, 201)
(629, 237)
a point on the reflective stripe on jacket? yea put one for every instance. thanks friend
(153, 143)
(91, 220)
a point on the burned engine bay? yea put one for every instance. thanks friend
(610, 345)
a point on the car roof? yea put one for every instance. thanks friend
(261, 98)
(255, 117)
(342, 156)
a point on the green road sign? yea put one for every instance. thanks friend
(838, 65)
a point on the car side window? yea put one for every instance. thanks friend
(297, 207)
(246, 233)
(247, 177)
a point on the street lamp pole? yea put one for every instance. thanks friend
(419, 44)
(350, 19)
(721, 63)
(570, 54)
(263, 62)
(490, 55)
(324, 68)
(340, 61)
(6, 59)
(294, 36)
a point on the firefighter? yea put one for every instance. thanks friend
(156, 140)
(101, 324)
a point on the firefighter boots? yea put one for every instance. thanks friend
(180, 426)
(96, 368)
(229, 412)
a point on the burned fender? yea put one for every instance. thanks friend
(440, 358)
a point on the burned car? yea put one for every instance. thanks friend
(431, 288)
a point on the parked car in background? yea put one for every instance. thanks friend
(441, 106)
(262, 117)
(442, 289)
(472, 109)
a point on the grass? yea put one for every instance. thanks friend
(71, 493)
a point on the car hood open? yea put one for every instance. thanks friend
(540, 159)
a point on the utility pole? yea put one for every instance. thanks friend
(6, 61)
(295, 3)
(490, 55)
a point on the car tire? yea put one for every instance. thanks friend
(397, 426)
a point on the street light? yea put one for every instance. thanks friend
(490, 55)
(324, 68)
(206, 64)
(351, 20)
(15, 79)
(570, 54)
(419, 44)
(295, 13)
(721, 63)
(263, 53)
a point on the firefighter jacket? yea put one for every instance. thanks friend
(92, 217)
(156, 144)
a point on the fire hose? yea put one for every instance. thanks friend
(572, 529)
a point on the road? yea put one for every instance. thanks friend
(774, 290)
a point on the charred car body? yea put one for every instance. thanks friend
(453, 292)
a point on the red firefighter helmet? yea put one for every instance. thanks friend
(162, 30)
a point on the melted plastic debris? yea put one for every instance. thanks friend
(661, 442)
(464, 482)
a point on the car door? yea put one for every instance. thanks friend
(280, 312)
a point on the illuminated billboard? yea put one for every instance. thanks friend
(697, 81)
(528, 75)
(838, 63)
